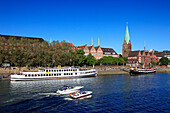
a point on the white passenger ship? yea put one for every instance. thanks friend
(54, 74)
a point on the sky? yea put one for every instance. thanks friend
(78, 21)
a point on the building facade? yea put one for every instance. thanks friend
(127, 46)
(24, 44)
(162, 54)
(95, 51)
(137, 57)
(109, 52)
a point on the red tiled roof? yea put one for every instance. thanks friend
(70, 44)
(81, 46)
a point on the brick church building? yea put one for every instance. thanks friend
(136, 57)
(127, 46)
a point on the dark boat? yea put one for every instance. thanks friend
(137, 70)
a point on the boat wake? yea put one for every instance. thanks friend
(48, 94)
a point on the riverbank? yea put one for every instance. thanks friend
(102, 70)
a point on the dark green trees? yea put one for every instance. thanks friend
(164, 61)
(109, 60)
(81, 59)
(90, 60)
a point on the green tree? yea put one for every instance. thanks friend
(90, 60)
(141, 63)
(164, 61)
(80, 57)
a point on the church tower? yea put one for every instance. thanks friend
(126, 47)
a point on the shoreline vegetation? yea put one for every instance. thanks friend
(102, 70)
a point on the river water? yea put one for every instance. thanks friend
(111, 93)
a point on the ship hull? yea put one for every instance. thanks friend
(23, 78)
(137, 72)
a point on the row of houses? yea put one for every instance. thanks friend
(32, 45)
(137, 57)
(146, 57)
(98, 52)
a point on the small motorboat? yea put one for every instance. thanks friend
(81, 94)
(68, 90)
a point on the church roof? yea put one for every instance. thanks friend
(127, 37)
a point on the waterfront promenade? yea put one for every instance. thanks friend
(102, 70)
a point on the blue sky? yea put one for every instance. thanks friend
(77, 21)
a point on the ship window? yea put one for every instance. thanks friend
(75, 73)
(29, 75)
(59, 70)
(38, 74)
(46, 70)
(59, 73)
(32, 75)
(49, 74)
(64, 73)
(46, 74)
(35, 75)
(54, 74)
(51, 70)
(54, 70)
(25, 75)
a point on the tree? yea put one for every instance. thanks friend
(164, 61)
(80, 60)
(141, 63)
(90, 60)
(125, 59)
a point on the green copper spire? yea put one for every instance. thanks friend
(98, 43)
(91, 41)
(127, 37)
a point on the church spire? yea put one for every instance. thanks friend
(127, 37)
(91, 41)
(98, 43)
